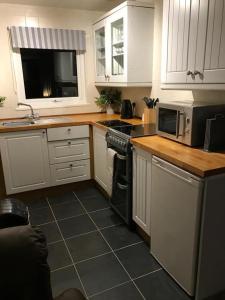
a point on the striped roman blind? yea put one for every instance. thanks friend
(47, 38)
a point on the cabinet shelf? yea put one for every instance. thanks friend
(118, 55)
(118, 44)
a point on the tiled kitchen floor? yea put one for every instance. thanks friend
(92, 249)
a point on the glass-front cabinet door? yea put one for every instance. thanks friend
(117, 67)
(100, 52)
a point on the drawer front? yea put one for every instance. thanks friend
(70, 172)
(70, 150)
(69, 132)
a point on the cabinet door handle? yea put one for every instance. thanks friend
(69, 130)
(69, 143)
(71, 165)
(43, 132)
(196, 72)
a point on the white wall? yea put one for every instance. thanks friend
(20, 15)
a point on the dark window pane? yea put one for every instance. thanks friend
(49, 73)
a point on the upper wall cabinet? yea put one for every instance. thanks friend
(194, 44)
(124, 46)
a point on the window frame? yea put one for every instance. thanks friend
(50, 102)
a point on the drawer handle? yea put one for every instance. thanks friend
(69, 130)
(122, 186)
(71, 165)
(69, 143)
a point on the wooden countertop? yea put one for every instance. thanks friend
(190, 159)
(193, 160)
(66, 120)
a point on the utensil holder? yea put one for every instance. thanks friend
(149, 115)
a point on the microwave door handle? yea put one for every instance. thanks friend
(178, 125)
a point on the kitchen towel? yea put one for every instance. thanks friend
(110, 166)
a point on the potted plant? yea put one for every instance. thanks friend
(109, 99)
(2, 99)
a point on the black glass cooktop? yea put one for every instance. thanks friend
(113, 123)
(136, 130)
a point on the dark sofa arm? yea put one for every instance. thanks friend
(24, 270)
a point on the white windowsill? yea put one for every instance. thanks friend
(50, 105)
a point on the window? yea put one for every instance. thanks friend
(49, 73)
(50, 78)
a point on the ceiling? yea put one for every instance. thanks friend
(98, 5)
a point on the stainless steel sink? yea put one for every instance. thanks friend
(41, 121)
(17, 123)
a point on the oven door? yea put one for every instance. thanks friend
(121, 200)
(171, 122)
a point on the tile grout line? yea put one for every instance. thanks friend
(87, 259)
(67, 249)
(63, 219)
(106, 290)
(157, 270)
(71, 265)
(111, 249)
(134, 244)
(97, 210)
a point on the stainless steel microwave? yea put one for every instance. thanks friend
(184, 122)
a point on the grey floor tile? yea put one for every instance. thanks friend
(120, 236)
(160, 286)
(35, 203)
(41, 216)
(67, 210)
(105, 217)
(62, 197)
(64, 279)
(137, 260)
(58, 256)
(126, 291)
(95, 203)
(101, 273)
(76, 226)
(87, 246)
(51, 232)
(88, 191)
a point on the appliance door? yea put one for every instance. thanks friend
(175, 221)
(121, 200)
(171, 122)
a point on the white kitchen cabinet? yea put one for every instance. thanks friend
(69, 154)
(100, 157)
(25, 160)
(123, 50)
(193, 44)
(69, 172)
(142, 167)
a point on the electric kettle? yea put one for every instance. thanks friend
(126, 109)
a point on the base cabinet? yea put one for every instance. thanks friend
(41, 158)
(100, 157)
(25, 160)
(142, 188)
